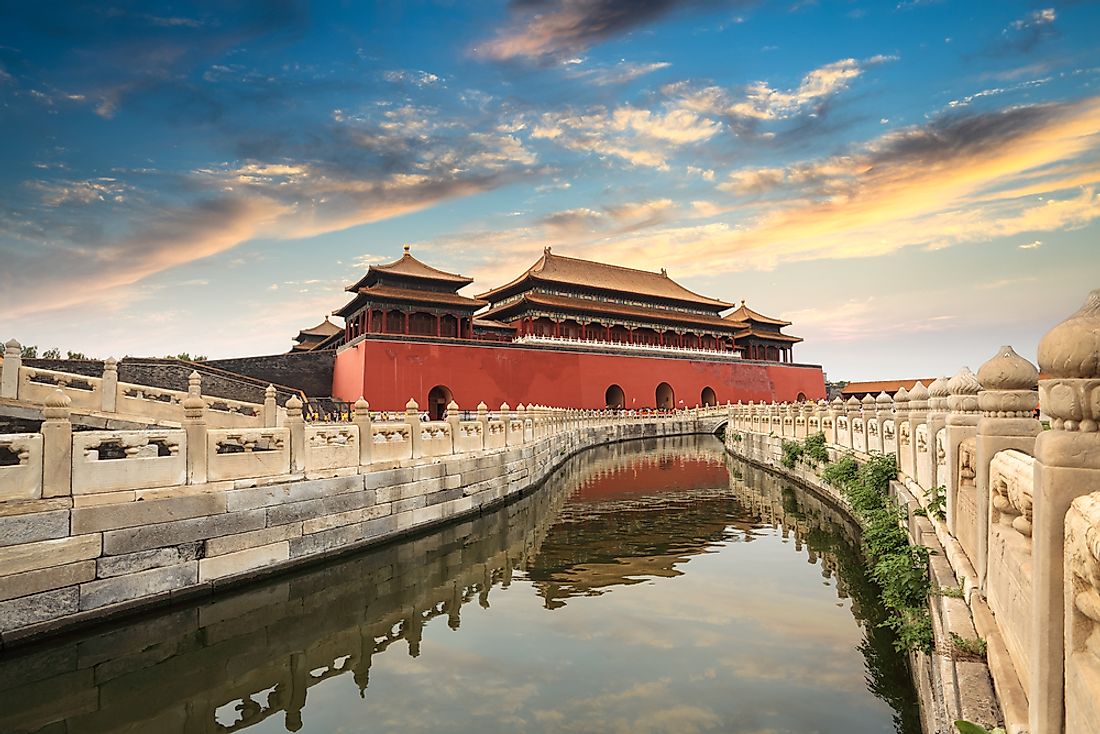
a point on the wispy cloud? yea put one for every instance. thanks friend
(546, 30)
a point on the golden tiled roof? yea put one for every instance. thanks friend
(746, 314)
(571, 271)
(408, 266)
(596, 309)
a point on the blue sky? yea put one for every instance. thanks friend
(913, 184)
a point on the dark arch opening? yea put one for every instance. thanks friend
(614, 398)
(801, 397)
(438, 398)
(708, 397)
(666, 398)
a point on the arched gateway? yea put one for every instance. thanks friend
(707, 397)
(614, 398)
(666, 398)
(438, 398)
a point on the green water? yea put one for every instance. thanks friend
(650, 587)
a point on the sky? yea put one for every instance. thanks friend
(913, 183)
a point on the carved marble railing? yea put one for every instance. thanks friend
(20, 466)
(107, 461)
(1022, 525)
(247, 453)
(105, 395)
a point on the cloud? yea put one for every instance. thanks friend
(374, 169)
(620, 73)
(962, 177)
(1025, 34)
(1033, 245)
(640, 137)
(549, 30)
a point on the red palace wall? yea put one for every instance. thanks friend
(387, 373)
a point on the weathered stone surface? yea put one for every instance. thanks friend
(350, 501)
(44, 579)
(17, 529)
(27, 610)
(144, 512)
(95, 594)
(46, 553)
(279, 494)
(350, 517)
(295, 512)
(244, 560)
(129, 540)
(110, 566)
(241, 541)
(388, 478)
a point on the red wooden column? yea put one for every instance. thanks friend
(557, 329)
(438, 325)
(406, 332)
(608, 334)
(584, 330)
(370, 319)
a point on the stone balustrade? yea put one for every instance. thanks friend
(106, 396)
(1022, 524)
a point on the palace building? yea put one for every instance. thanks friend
(566, 332)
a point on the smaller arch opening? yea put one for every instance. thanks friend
(666, 397)
(801, 397)
(614, 398)
(438, 399)
(707, 397)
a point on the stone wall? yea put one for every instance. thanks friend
(307, 372)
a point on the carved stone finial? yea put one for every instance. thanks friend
(58, 399)
(902, 395)
(964, 383)
(853, 403)
(12, 345)
(919, 392)
(938, 388)
(1072, 348)
(110, 364)
(482, 406)
(294, 403)
(504, 407)
(452, 406)
(194, 383)
(1007, 370)
(412, 405)
(269, 392)
(883, 399)
(837, 402)
(868, 401)
(361, 405)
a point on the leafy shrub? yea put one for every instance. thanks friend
(814, 448)
(792, 452)
(840, 472)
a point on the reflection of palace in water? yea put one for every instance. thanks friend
(634, 511)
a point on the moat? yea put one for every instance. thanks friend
(649, 586)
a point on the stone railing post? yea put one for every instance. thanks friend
(962, 424)
(521, 416)
(454, 417)
(194, 426)
(853, 408)
(836, 409)
(483, 419)
(1007, 401)
(901, 415)
(57, 446)
(917, 408)
(297, 425)
(412, 419)
(869, 416)
(937, 421)
(271, 409)
(361, 418)
(9, 377)
(1067, 465)
(108, 402)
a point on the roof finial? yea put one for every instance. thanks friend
(546, 250)
(664, 272)
(742, 301)
(407, 248)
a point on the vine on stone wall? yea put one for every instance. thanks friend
(899, 569)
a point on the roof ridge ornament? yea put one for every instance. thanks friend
(407, 247)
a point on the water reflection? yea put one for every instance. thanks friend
(689, 592)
